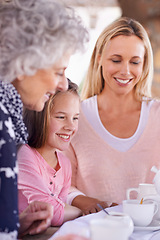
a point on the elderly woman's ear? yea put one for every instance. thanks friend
(20, 77)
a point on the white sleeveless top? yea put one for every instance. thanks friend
(90, 110)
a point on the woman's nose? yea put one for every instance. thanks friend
(63, 84)
(125, 69)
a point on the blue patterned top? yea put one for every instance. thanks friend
(12, 133)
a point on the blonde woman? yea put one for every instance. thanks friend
(119, 135)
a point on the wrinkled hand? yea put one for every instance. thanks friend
(35, 218)
(87, 204)
(71, 237)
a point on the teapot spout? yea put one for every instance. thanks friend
(154, 169)
(156, 179)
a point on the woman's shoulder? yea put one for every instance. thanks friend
(6, 125)
(154, 110)
(89, 102)
(89, 107)
(4, 114)
(155, 104)
(7, 138)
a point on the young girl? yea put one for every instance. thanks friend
(44, 172)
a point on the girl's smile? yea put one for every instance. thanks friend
(63, 121)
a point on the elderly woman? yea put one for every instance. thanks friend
(37, 38)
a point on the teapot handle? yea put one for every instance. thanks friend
(131, 190)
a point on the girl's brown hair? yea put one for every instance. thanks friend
(37, 122)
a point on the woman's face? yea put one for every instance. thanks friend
(122, 63)
(63, 123)
(35, 90)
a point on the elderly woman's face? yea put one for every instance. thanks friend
(35, 90)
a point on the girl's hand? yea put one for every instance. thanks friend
(87, 204)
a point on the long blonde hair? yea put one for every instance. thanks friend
(94, 82)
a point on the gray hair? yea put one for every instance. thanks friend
(34, 34)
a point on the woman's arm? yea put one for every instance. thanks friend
(75, 197)
(8, 175)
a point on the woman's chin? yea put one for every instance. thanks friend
(38, 107)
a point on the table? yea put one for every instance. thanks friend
(80, 226)
(43, 236)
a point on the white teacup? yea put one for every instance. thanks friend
(142, 191)
(113, 227)
(155, 198)
(141, 214)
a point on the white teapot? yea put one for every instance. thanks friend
(155, 197)
(156, 179)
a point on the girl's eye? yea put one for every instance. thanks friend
(76, 118)
(60, 117)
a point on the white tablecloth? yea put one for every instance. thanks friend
(80, 226)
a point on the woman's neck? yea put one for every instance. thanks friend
(121, 103)
(119, 114)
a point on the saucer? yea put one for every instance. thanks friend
(153, 226)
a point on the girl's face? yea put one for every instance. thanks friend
(63, 123)
(35, 90)
(122, 63)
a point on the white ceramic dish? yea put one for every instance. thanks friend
(154, 226)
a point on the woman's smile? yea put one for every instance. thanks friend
(123, 81)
